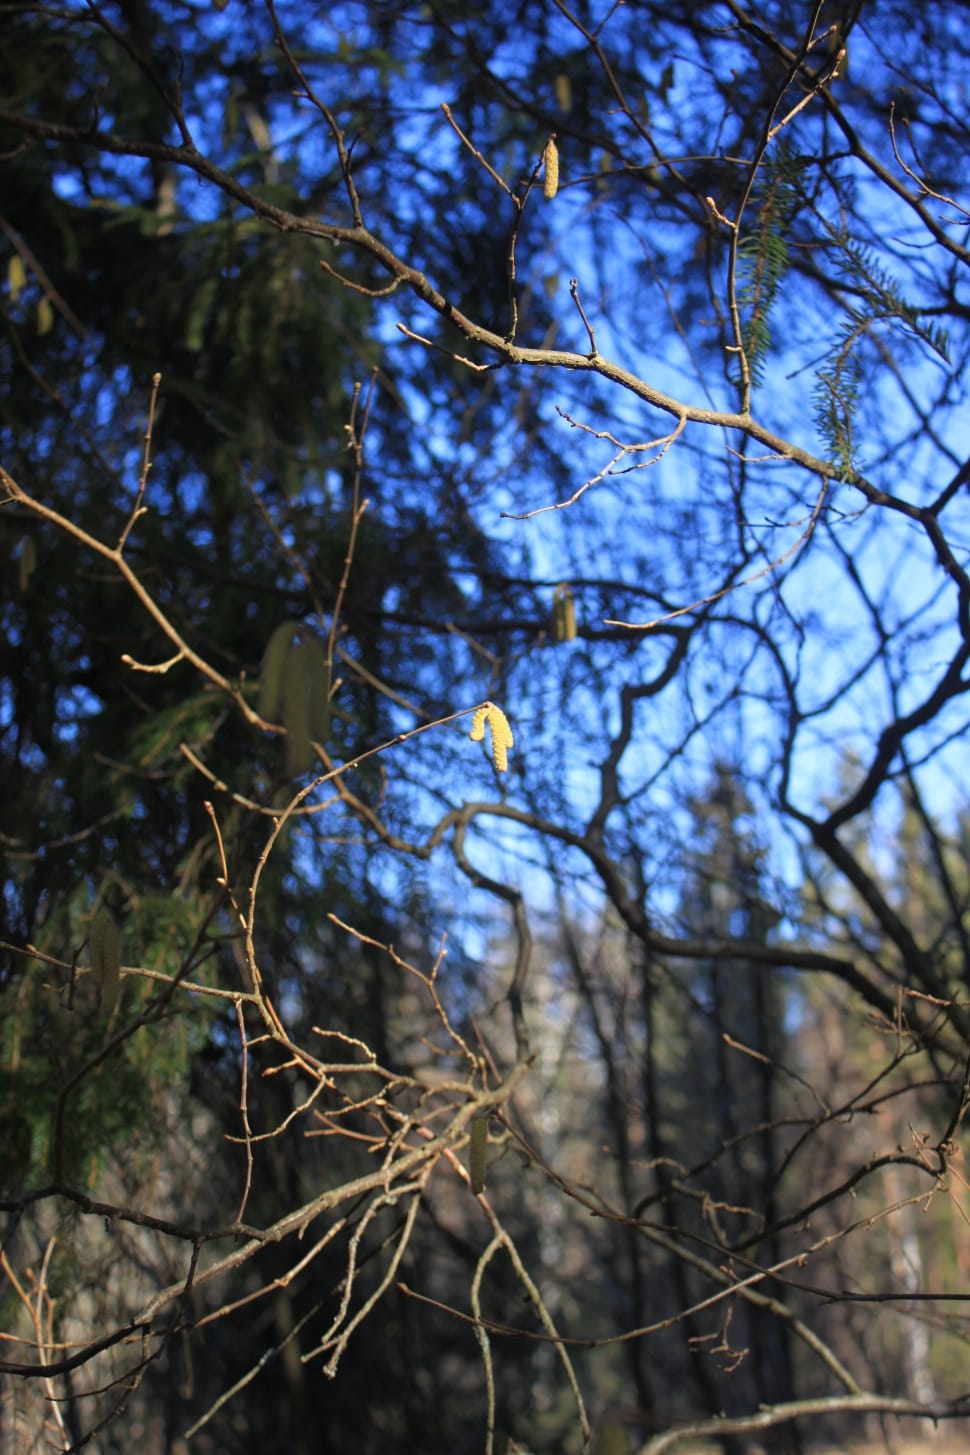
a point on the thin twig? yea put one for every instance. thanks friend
(574, 295)
(138, 508)
(661, 446)
(484, 1343)
(447, 353)
(733, 585)
(478, 155)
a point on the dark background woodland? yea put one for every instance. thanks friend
(306, 373)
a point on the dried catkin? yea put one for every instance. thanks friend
(271, 672)
(295, 707)
(478, 1152)
(320, 697)
(26, 563)
(563, 615)
(105, 949)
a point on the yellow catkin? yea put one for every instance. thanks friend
(502, 738)
(550, 157)
(478, 724)
(16, 276)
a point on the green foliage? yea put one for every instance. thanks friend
(840, 379)
(763, 254)
(68, 1103)
(836, 398)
